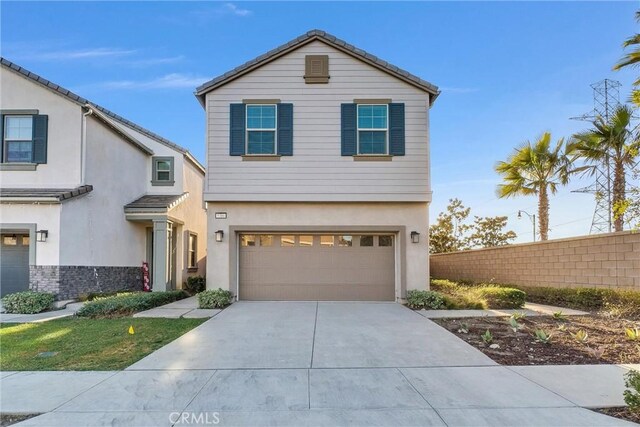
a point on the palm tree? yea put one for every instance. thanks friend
(632, 59)
(611, 142)
(536, 169)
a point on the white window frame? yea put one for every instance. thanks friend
(6, 141)
(247, 130)
(385, 130)
(193, 250)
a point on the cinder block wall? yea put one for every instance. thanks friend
(601, 261)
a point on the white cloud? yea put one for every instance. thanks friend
(146, 62)
(168, 81)
(73, 54)
(235, 10)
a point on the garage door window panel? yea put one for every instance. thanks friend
(366, 241)
(287, 241)
(248, 240)
(385, 241)
(306, 241)
(266, 240)
(345, 241)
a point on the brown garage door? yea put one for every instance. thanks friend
(328, 267)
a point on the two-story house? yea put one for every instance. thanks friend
(87, 197)
(317, 183)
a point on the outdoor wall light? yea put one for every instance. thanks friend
(219, 235)
(41, 235)
(415, 237)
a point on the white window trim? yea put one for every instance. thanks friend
(385, 130)
(6, 141)
(247, 130)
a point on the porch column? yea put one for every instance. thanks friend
(160, 255)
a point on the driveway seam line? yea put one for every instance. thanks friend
(540, 385)
(313, 341)
(422, 396)
(197, 393)
(82, 392)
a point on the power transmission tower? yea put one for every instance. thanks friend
(606, 98)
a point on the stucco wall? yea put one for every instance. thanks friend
(63, 167)
(317, 171)
(602, 261)
(412, 216)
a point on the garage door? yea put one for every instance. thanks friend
(14, 263)
(328, 267)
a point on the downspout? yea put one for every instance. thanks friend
(83, 146)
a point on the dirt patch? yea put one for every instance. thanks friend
(605, 342)
(8, 419)
(623, 413)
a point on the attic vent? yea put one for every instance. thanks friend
(316, 69)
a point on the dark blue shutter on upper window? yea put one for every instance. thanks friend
(349, 129)
(237, 129)
(1, 138)
(396, 129)
(285, 129)
(40, 123)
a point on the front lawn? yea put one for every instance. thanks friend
(85, 344)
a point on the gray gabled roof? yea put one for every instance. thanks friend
(327, 39)
(59, 194)
(156, 201)
(85, 102)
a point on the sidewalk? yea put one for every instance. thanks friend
(187, 308)
(487, 395)
(69, 310)
(530, 309)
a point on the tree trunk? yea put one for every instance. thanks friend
(543, 213)
(619, 196)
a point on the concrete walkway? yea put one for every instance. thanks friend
(316, 364)
(530, 309)
(69, 310)
(187, 307)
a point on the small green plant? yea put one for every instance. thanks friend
(632, 394)
(514, 325)
(542, 337)
(581, 336)
(562, 327)
(559, 316)
(427, 300)
(519, 315)
(195, 285)
(633, 334)
(487, 338)
(464, 328)
(214, 298)
(27, 302)
(596, 352)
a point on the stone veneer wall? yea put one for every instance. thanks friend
(70, 281)
(600, 261)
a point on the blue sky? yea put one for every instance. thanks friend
(508, 71)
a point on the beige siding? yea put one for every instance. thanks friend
(317, 171)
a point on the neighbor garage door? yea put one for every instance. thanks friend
(328, 267)
(14, 263)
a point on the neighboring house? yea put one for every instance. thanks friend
(86, 196)
(317, 181)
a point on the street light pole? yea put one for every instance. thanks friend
(533, 221)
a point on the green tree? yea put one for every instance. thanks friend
(490, 231)
(448, 233)
(632, 59)
(538, 169)
(611, 142)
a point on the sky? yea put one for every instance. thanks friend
(508, 71)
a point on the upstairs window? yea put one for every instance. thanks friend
(18, 139)
(162, 171)
(261, 129)
(372, 129)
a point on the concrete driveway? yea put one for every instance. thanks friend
(313, 364)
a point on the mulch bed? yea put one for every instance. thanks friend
(624, 413)
(606, 341)
(8, 419)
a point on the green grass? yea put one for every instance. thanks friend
(85, 344)
(483, 296)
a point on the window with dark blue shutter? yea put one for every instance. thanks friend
(349, 129)
(396, 129)
(24, 138)
(285, 129)
(40, 124)
(237, 130)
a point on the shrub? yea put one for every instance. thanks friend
(428, 300)
(500, 297)
(128, 303)
(27, 302)
(632, 394)
(195, 285)
(215, 298)
(90, 296)
(481, 296)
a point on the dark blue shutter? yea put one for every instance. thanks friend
(1, 138)
(237, 130)
(285, 129)
(349, 129)
(40, 123)
(396, 129)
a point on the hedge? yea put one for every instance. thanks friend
(482, 296)
(27, 302)
(127, 304)
(427, 300)
(215, 298)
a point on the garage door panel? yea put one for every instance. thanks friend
(14, 263)
(316, 272)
